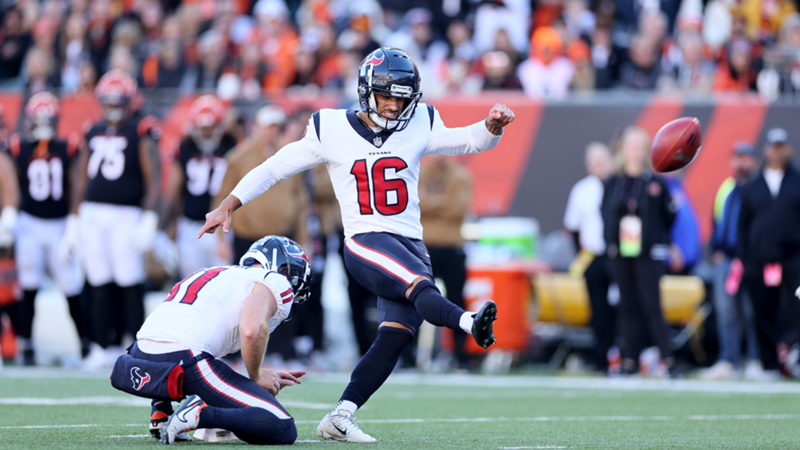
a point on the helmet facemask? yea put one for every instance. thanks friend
(406, 114)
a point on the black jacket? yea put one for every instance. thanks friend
(769, 228)
(656, 209)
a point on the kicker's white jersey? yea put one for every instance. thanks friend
(375, 175)
(203, 311)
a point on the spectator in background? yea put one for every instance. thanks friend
(604, 58)
(692, 72)
(584, 220)
(498, 71)
(733, 311)
(769, 247)
(278, 40)
(40, 72)
(735, 71)
(445, 190)
(14, 44)
(418, 39)
(165, 69)
(685, 231)
(512, 15)
(764, 17)
(546, 73)
(637, 215)
(100, 27)
(642, 71)
(251, 70)
(74, 52)
(211, 51)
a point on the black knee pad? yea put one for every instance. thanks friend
(421, 287)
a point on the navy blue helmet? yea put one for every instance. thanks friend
(285, 256)
(389, 71)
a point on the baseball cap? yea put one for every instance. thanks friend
(777, 136)
(744, 148)
(270, 115)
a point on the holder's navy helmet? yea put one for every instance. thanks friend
(285, 256)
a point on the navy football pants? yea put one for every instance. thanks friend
(235, 403)
(386, 265)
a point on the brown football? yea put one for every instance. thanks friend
(676, 144)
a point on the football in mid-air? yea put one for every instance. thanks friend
(676, 144)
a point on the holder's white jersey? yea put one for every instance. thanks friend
(203, 311)
(375, 175)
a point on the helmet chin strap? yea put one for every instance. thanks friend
(386, 124)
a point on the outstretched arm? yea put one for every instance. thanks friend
(474, 138)
(290, 160)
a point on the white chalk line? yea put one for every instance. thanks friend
(715, 417)
(578, 419)
(129, 436)
(538, 446)
(128, 402)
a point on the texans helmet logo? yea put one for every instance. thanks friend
(138, 380)
(373, 58)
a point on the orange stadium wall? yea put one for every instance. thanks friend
(541, 155)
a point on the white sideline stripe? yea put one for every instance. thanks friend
(226, 389)
(582, 383)
(83, 425)
(540, 446)
(305, 405)
(94, 401)
(129, 435)
(580, 419)
(483, 419)
(381, 260)
(126, 401)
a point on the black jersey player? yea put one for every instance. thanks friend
(121, 173)
(197, 174)
(44, 168)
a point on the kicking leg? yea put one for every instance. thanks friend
(439, 311)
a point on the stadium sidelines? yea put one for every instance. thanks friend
(718, 417)
(505, 381)
(127, 401)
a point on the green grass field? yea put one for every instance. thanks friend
(52, 408)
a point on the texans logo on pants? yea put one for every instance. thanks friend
(138, 380)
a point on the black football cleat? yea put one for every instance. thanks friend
(482, 330)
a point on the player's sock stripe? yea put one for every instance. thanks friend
(381, 260)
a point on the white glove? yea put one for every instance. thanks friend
(68, 247)
(166, 253)
(146, 231)
(8, 224)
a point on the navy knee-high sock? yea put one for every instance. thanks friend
(377, 364)
(252, 425)
(433, 307)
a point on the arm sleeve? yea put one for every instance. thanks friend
(290, 160)
(474, 138)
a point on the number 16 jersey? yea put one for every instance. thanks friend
(374, 174)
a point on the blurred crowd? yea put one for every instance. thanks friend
(242, 48)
